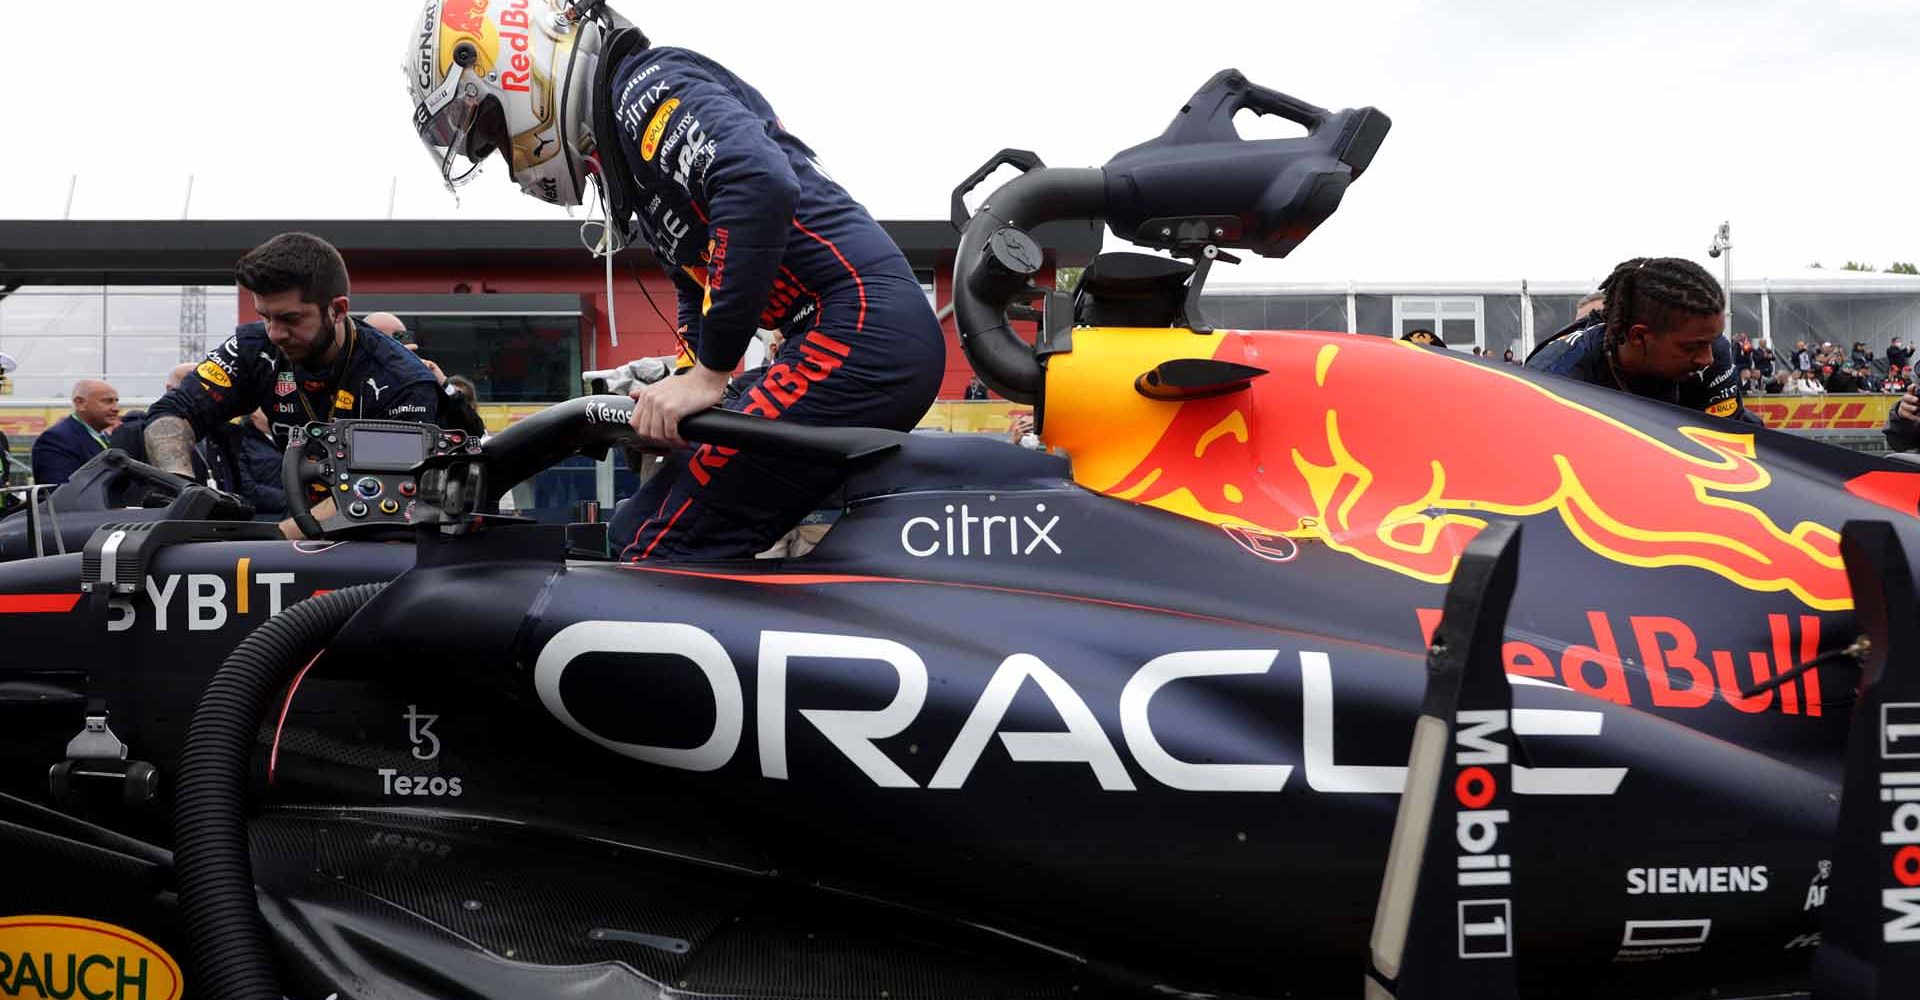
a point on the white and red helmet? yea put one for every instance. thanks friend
(506, 75)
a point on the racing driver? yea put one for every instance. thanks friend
(1658, 336)
(753, 233)
(305, 360)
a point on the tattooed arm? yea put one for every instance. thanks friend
(169, 442)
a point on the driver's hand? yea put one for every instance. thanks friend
(657, 408)
(322, 512)
(1909, 405)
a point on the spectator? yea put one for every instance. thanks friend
(1839, 379)
(1781, 382)
(1764, 361)
(976, 390)
(1903, 423)
(1742, 353)
(1899, 353)
(1868, 378)
(1425, 338)
(1877, 365)
(130, 436)
(1860, 354)
(1897, 380)
(1751, 383)
(82, 434)
(1508, 357)
(1802, 358)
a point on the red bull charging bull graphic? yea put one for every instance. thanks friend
(1319, 449)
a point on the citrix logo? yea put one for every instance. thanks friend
(924, 536)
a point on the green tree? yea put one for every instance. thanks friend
(1902, 267)
(1854, 265)
(1065, 279)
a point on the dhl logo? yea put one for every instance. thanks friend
(1853, 414)
(1394, 454)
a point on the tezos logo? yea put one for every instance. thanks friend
(426, 747)
(606, 413)
(924, 536)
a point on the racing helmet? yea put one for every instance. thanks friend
(505, 75)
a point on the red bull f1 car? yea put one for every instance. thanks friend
(1307, 665)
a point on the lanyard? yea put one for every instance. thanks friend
(333, 384)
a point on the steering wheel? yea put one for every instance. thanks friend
(297, 470)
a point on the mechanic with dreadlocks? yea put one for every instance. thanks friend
(305, 360)
(750, 229)
(1658, 336)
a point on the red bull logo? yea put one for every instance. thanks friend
(1392, 453)
(1672, 671)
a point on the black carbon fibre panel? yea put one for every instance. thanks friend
(497, 891)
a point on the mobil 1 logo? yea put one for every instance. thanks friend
(1482, 868)
(1900, 792)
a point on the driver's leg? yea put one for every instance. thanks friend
(719, 503)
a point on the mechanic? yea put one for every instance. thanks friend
(66, 446)
(750, 229)
(457, 409)
(305, 360)
(1658, 336)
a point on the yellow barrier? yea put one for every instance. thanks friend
(1823, 413)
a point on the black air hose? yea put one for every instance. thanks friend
(226, 942)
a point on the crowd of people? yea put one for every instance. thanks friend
(1821, 368)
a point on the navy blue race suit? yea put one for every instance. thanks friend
(373, 377)
(756, 236)
(1582, 354)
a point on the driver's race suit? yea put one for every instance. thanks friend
(755, 235)
(1582, 354)
(373, 377)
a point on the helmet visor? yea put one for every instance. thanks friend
(446, 121)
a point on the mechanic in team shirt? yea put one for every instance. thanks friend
(750, 229)
(1658, 335)
(305, 360)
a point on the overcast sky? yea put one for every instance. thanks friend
(1540, 139)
